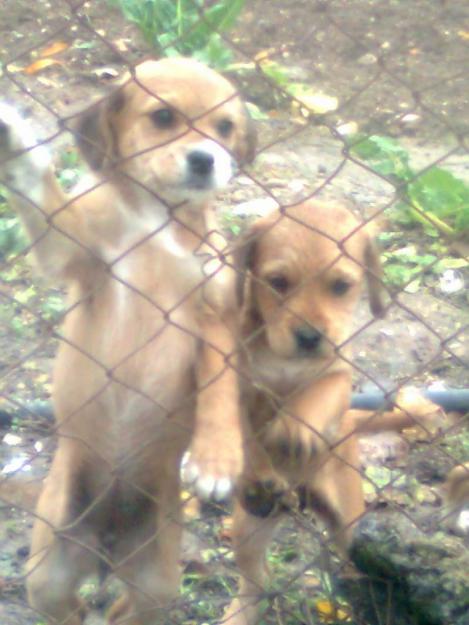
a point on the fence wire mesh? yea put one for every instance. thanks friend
(171, 308)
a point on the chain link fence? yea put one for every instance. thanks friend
(359, 104)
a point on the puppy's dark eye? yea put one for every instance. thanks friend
(340, 287)
(163, 118)
(279, 283)
(225, 127)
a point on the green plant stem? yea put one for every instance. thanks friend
(421, 215)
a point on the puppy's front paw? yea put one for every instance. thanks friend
(20, 154)
(291, 443)
(15, 133)
(267, 496)
(210, 467)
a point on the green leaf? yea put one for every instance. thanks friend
(185, 26)
(84, 45)
(399, 274)
(223, 16)
(255, 112)
(53, 307)
(279, 74)
(440, 193)
(12, 238)
(385, 154)
(450, 263)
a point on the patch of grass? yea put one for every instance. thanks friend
(457, 445)
(185, 27)
(405, 266)
(205, 596)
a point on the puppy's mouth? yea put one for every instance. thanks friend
(198, 182)
(317, 354)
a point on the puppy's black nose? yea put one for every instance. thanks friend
(307, 338)
(200, 163)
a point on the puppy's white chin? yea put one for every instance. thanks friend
(180, 195)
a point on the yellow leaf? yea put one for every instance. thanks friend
(42, 378)
(13, 69)
(464, 34)
(263, 55)
(190, 505)
(31, 365)
(39, 65)
(318, 103)
(329, 613)
(55, 48)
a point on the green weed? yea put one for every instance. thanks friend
(435, 199)
(12, 239)
(70, 168)
(185, 27)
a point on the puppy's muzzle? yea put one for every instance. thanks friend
(208, 166)
(201, 164)
(308, 339)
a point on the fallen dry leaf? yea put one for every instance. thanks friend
(329, 613)
(39, 65)
(54, 48)
(226, 529)
(263, 55)
(190, 505)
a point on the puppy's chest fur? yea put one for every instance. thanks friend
(136, 314)
(281, 376)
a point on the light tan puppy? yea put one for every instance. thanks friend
(306, 267)
(148, 332)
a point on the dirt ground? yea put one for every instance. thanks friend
(383, 60)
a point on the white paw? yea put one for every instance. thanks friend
(204, 486)
(20, 154)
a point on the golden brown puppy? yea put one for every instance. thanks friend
(149, 326)
(306, 269)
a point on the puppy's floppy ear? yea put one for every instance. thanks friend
(245, 149)
(95, 131)
(374, 278)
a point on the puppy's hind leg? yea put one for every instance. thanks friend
(148, 563)
(61, 555)
(251, 538)
(335, 491)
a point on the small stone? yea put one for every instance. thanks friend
(367, 59)
(410, 119)
(106, 73)
(347, 129)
